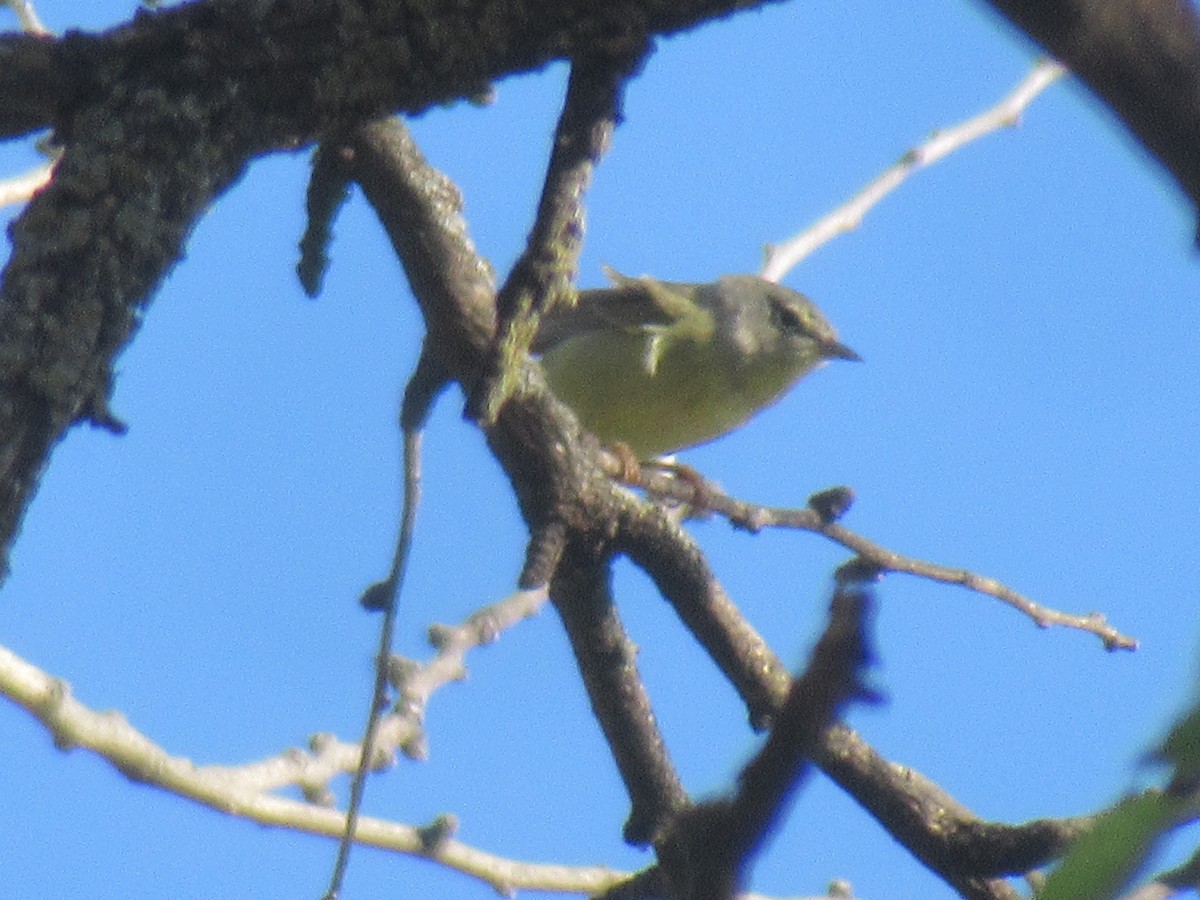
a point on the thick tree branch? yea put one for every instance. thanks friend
(935, 827)
(87, 253)
(674, 561)
(33, 80)
(306, 68)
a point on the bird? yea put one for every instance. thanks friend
(659, 366)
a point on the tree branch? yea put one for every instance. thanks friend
(816, 518)
(607, 663)
(243, 791)
(544, 274)
(1141, 57)
(711, 846)
(782, 258)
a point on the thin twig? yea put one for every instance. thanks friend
(423, 388)
(780, 259)
(754, 517)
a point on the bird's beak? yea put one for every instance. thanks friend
(836, 350)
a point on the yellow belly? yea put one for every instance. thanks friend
(690, 398)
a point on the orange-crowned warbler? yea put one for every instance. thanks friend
(659, 365)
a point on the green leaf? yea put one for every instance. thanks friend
(1103, 861)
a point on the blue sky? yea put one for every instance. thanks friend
(1028, 409)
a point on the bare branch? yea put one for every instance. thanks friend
(607, 662)
(244, 790)
(544, 274)
(680, 571)
(969, 852)
(753, 517)
(328, 191)
(782, 258)
(422, 390)
(711, 846)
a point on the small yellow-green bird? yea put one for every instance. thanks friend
(659, 366)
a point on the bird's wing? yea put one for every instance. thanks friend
(662, 311)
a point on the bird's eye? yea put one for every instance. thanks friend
(786, 318)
